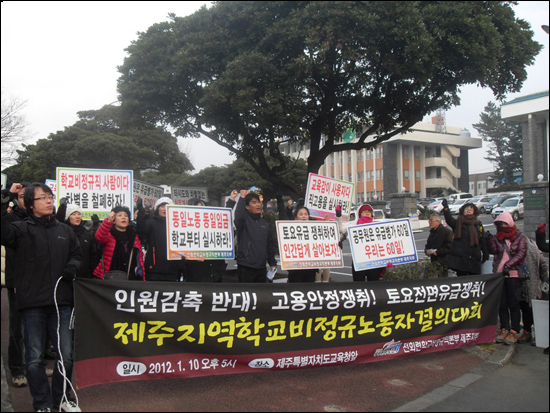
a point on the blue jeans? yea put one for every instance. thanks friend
(36, 322)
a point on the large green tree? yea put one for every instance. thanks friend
(100, 139)
(505, 141)
(249, 74)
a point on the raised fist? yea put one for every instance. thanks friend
(445, 204)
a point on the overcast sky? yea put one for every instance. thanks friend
(62, 58)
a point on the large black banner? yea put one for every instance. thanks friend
(133, 330)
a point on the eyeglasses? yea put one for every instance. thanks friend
(44, 198)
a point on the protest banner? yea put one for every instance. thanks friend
(375, 245)
(323, 194)
(147, 192)
(199, 232)
(96, 191)
(181, 195)
(309, 244)
(4, 180)
(132, 330)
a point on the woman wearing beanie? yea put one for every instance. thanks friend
(121, 246)
(468, 251)
(509, 247)
(152, 229)
(365, 214)
(71, 214)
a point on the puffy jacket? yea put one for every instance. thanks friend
(44, 250)
(255, 246)
(16, 214)
(153, 230)
(108, 242)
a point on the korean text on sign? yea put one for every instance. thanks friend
(199, 232)
(309, 244)
(375, 245)
(323, 194)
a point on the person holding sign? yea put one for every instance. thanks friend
(305, 275)
(439, 243)
(255, 246)
(121, 246)
(152, 229)
(365, 214)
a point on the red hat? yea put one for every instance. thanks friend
(365, 207)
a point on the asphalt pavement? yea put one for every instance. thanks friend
(491, 377)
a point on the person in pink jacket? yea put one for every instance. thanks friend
(117, 236)
(509, 247)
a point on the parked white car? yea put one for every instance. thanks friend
(512, 205)
(480, 201)
(455, 206)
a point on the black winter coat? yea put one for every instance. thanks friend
(157, 265)
(44, 250)
(440, 239)
(464, 257)
(16, 214)
(90, 250)
(255, 246)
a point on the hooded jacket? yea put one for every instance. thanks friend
(518, 247)
(45, 249)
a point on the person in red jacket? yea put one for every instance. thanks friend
(117, 236)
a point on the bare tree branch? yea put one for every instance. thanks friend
(15, 128)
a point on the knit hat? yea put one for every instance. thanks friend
(162, 201)
(365, 207)
(71, 208)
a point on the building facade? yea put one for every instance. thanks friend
(428, 160)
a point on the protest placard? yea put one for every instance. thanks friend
(147, 192)
(375, 245)
(323, 194)
(309, 244)
(199, 232)
(181, 195)
(96, 191)
(53, 186)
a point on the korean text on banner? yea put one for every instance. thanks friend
(147, 192)
(157, 330)
(323, 194)
(96, 191)
(375, 245)
(199, 232)
(309, 244)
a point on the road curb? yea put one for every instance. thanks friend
(501, 356)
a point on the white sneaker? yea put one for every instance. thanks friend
(69, 406)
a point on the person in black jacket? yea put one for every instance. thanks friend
(540, 237)
(48, 257)
(468, 251)
(255, 246)
(439, 243)
(71, 214)
(153, 230)
(16, 348)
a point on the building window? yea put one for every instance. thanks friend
(406, 174)
(438, 173)
(416, 152)
(405, 151)
(349, 156)
(417, 175)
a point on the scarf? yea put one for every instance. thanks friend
(364, 220)
(469, 220)
(507, 233)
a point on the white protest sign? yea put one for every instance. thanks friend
(4, 180)
(309, 244)
(181, 195)
(199, 232)
(147, 192)
(323, 194)
(375, 245)
(96, 191)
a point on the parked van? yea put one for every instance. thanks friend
(461, 195)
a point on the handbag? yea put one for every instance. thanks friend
(522, 269)
(117, 275)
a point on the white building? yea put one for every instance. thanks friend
(425, 161)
